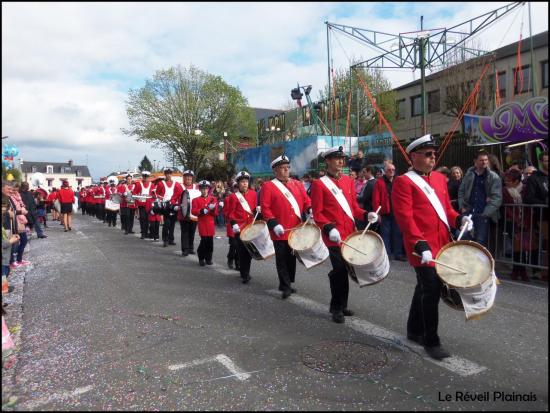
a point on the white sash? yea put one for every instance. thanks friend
(337, 192)
(145, 191)
(430, 194)
(288, 195)
(168, 191)
(244, 202)
(193, 193)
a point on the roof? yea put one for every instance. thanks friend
(27, 166)
(539, 40)
(262, 113)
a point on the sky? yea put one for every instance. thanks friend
(67, 67)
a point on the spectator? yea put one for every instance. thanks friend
(40, 208)
(494, 164)
(536, 193)
(360, 182)
(365, 197)
(453, 185)
(527, 172)
(379, 173)
(20, 216)
(65, 195)
(30, 205)
(381, 197)
(306, 180)
(50, 204)
(10, 236)
(322, 173)
(356, 162)
(480, 194)
(219, 193)
(353, 175)
(511, 195)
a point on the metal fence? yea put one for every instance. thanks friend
(521, 236)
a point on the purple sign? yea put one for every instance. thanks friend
(512, 122)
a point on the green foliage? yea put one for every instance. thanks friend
(16, 173)
(145, 165)
(176, 102)
(216, 170)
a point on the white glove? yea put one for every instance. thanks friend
(372, 217)
(152, 213)
(468, 222)
(176, 208)
(212, 206)
(426, 257)
(205, 211)
(236, 229)
(279, 230)
(259, 209)
(334, 236)
(220, 204)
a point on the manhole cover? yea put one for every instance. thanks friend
(344, 357)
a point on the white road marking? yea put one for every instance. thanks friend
(455, 364)
(59, 396)
(221, 358)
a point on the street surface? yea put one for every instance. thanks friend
(114, 322)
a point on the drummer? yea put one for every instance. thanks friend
(243, 206)
(425, 232)
(335, 215)
(284, 204)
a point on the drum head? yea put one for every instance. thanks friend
(468, 256)
(304, 237)
(370, 245)
(251, 232)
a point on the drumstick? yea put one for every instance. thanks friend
(368, 225)
(255, 216)
(442, 264)
(353, 248)
(462, 230)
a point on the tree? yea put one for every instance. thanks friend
(186, 112)
(145, 165)
(216, 170)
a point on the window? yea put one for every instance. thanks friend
(416, 105)
(49, 169)
(544, 74)
(34, 169)
(79, 173)
(50, 182)
(522, 81)
(501, 79)
(401, 110)
(433, 101)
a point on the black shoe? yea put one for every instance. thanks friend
(246, 279)
(131, 232)
(165, 244)
(230, 263)
(286, 294)
(201, 263)
(70, 229)
(184, 253)
(209, 262)
(66, 230)
(171, 243)
(338, 317)
(191, 252)
(348, 313)
(126, 232)
(293, 290)
(416, 338)
(42, 236)
(142, 237)
(237, 267)
(437, 352)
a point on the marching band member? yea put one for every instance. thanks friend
(232, 254)
(52, 196)
(205, 207)
(103, 192)
(188, 219)
(110, 215)
(335, 209)
(169, 192)
(243, 204)
(424, 213)
(284, 204)
(143, 189)
(82, 196)
(127, 204)
(153, 219)
(97, 201)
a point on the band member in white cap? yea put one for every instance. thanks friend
(127, 204)
(284, 205)
(205, 207)
(424, 213)
(110, 215)
(169, 191)
(187, 219)
(243, 207)
(335, 209)
(232, 253)
(143, 190)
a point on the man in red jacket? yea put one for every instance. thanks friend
(232, 254)
(243, 207)
(143, 190)
(66, 199)
(169, 191)
(335, 209)
(205, 207)
(127, 204)
(186, 218)
(424, 213)
(284, 204)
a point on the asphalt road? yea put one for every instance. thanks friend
(114, 322)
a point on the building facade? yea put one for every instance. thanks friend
(55, 172)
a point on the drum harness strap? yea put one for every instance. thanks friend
(288, 195)
(337, 192)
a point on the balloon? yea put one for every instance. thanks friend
(14, 150)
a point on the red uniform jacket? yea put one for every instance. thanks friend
(96, 194)
(276, 209)
(327, 210)
(65, 195)
(109, 191)
(206, 225)
(416, 216)
(51, 197)
(141, 189)
(82, 195)
(122, 189)
(237, 214)
(227, 206)
(160, 190)
(380, 196)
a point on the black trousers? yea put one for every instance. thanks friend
(143, 222)
(424, 312)
(154, 229)
(110, 217)
(90, 209)
(188, 229)
(244, 258)
(130, 212)
(168, 227)
(83, 207)
(100, 212)
(206, 248)
(339, 281)
(285, 261)
(123, 213)
(232, 254)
